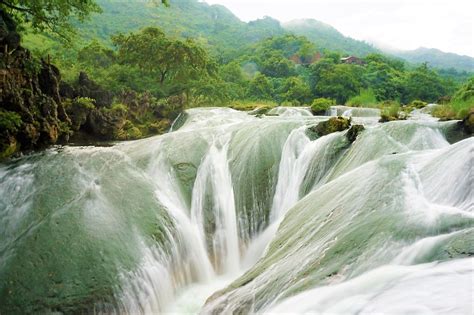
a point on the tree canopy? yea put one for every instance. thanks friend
(52, 15)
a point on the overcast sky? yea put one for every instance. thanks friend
(404, 24)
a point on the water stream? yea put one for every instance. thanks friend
(231, 213)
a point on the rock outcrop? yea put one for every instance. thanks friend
(31, 113)
(331, 125)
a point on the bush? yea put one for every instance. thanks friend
(417, 104)
(443, 112)
(119, 108)
(391, 110)
(366, 98)
(9, 121)
(85, 102)
(321, 105)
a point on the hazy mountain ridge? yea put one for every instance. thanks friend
(437, 58)
(328, 37)
(217, 26)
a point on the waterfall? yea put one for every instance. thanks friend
(215, 169)
(230, 213)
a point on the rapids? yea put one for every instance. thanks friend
(231, 213)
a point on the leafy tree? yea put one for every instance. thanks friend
(236, 81)
(276, 65)
(338, 82)
(260, 88)
(168, 60)
(295, 89)
(96, 55)
(423, 84)
(396, 64)
(385, 81)
(53, 15)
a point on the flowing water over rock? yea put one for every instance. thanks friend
(251, 214)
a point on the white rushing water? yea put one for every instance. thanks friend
(231, 213)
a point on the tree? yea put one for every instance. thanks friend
(96, 55)
(423, 84)
(52, 15)
(338, 82)
(168, 60)
(295, 89)
(260, 88)
(385, 81)
(276, 65)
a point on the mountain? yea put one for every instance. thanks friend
(211, 24)
(219, 28)
(436, 58)
(327, 37)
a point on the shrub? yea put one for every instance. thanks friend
(443, 112)
(9, 121)
(366, 98)
(418, 104)
(391, 110)
(85, 102)
(321, 105)
(119, 108)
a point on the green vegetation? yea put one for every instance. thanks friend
(366, 98)
(327, 37)
(321, 105)
(461, 104)
(436, 58)
(52, 15)
(391, 111)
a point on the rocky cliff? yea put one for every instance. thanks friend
(31, 113)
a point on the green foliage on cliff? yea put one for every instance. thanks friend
(52, 15)
(9, 121)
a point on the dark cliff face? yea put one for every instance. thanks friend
(31, 113)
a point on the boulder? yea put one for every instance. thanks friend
(467, 123)
(331, 125)
(353, 132)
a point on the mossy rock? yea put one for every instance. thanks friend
(418, 104)
(386, 118)
(333, 124)
(468, 122)
(261, 110)
(321, 105)
(353, 132)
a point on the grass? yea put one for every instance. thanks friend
(366, 98)
(456, 109)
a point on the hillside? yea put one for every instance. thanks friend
(211, 24)
(217, 27)
(437, 58)
(327, 37)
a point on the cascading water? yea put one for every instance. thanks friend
(383, 224)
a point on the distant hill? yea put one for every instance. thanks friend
(436, 58)
(211, 24)
(219, 28)
(327, 37)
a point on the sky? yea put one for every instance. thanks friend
(397, 24)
